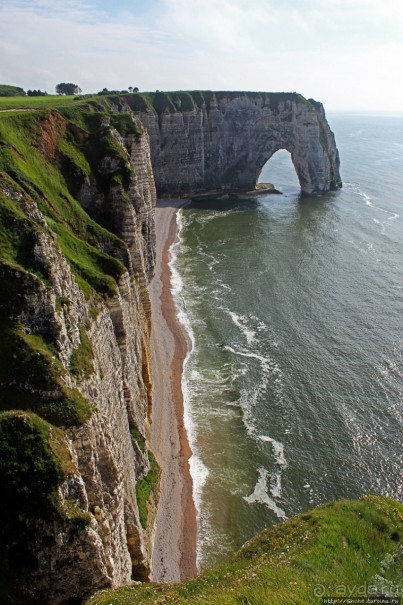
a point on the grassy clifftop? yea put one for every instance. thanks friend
(156, 102)
(345, 549)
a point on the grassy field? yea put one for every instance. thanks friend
(48, 102)
(345, 549)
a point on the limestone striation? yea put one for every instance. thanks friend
(75, 377)
(219, 141)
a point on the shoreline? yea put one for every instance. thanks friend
(174, 550)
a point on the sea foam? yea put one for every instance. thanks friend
(241, 321)
(260, 494)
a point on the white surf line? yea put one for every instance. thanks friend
(368, 200)
(198, 471)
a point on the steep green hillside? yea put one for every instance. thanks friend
(345, 549)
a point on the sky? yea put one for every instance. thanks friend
(348, 54)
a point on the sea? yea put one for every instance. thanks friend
(293, 310)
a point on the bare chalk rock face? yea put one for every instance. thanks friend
(222, 142)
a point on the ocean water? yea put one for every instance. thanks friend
(293, 307)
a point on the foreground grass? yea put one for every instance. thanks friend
(346, 548)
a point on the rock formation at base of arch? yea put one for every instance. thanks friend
(221, 141)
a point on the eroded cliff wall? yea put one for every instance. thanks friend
(219, 141)
(77, 252)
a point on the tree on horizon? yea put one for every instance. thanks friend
(68, 88)
(37, 93)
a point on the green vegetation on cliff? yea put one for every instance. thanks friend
(38, 449)
(145, 487)
(44, 159)
(29, 143)
(171, 102)
(81, 361)
(346, 548)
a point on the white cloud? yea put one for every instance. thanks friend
(346, 53)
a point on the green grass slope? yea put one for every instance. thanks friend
(345, 549)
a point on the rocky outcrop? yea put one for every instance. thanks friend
(208, 142)
(81, 309)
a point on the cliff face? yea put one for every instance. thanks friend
(75, 320)
(206, 142)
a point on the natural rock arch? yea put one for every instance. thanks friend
(222, 140)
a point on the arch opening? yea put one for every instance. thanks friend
(280, 172)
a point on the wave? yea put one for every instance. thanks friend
(211, 260)
(247, 401)
(354, 187)
(241, 322)
(270, 370)
(369, 246)
(260, 495)
(204, 219)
